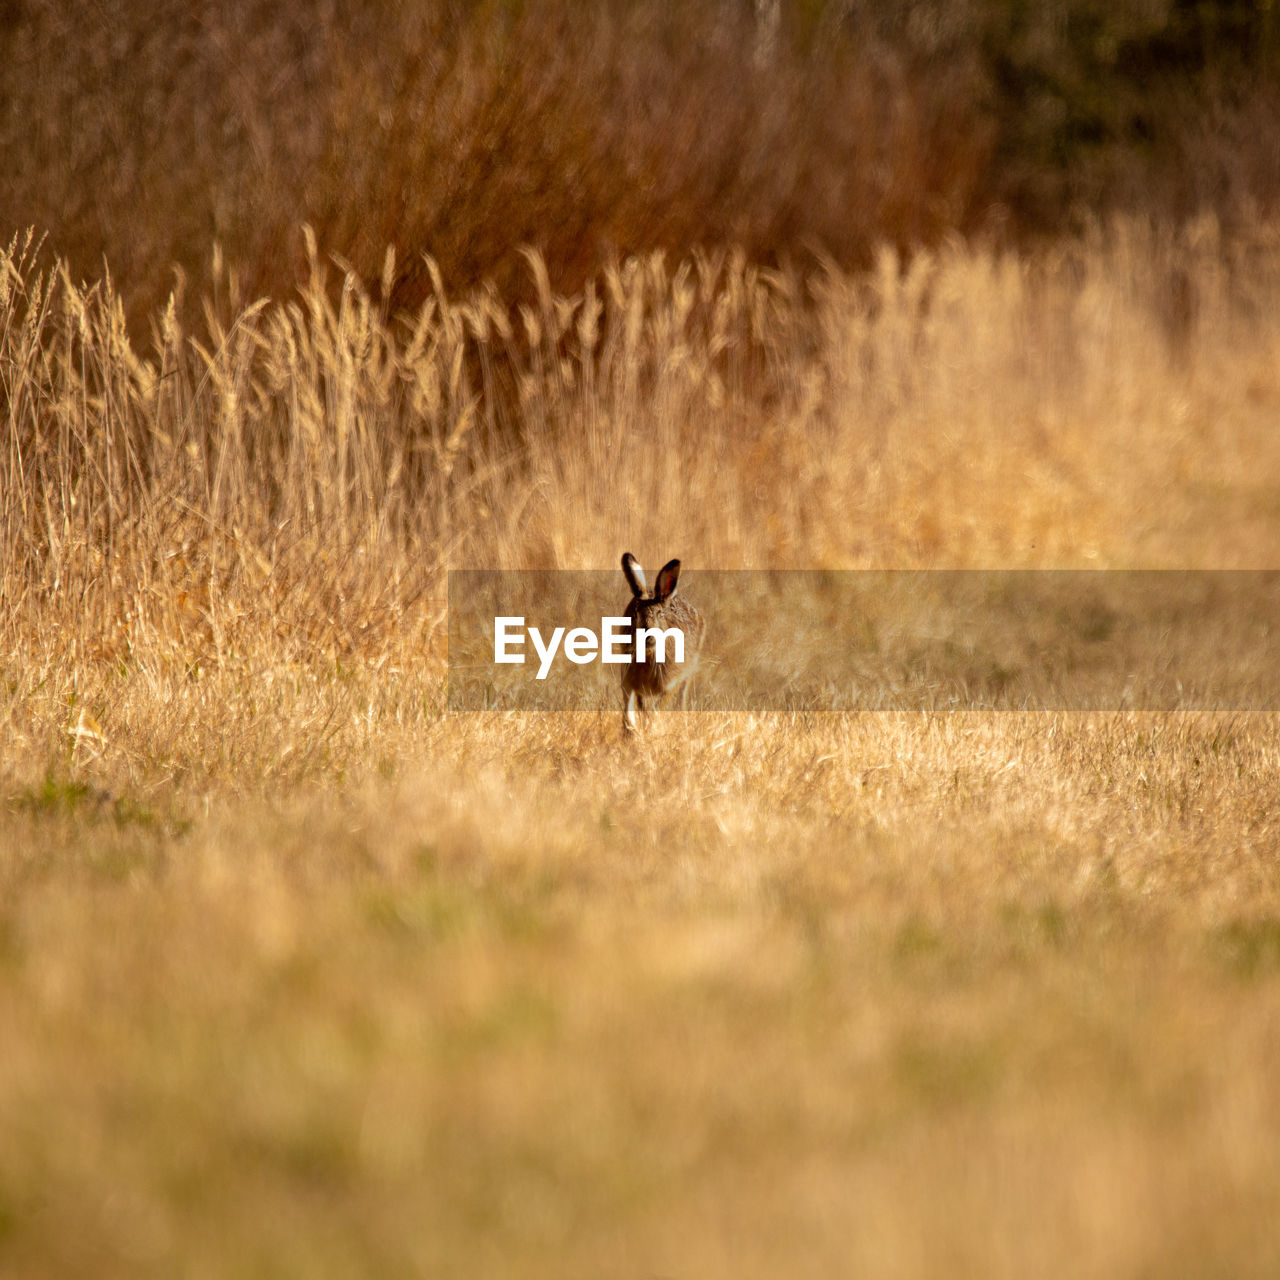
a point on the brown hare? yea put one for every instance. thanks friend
(658, 674)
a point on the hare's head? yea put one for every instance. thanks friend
(660, 609)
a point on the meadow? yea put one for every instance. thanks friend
(300, 974)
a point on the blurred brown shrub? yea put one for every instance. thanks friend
(468, 128)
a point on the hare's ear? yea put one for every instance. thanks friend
(634, 574)
(666, 584)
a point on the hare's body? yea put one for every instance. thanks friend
(651, 679)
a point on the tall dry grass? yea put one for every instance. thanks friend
(314, 466)
(299, 973)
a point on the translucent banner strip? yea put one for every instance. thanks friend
(899, 640)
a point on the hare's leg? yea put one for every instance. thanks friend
(630, 699)
(690, 675)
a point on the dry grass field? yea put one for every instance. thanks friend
(300, 975)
